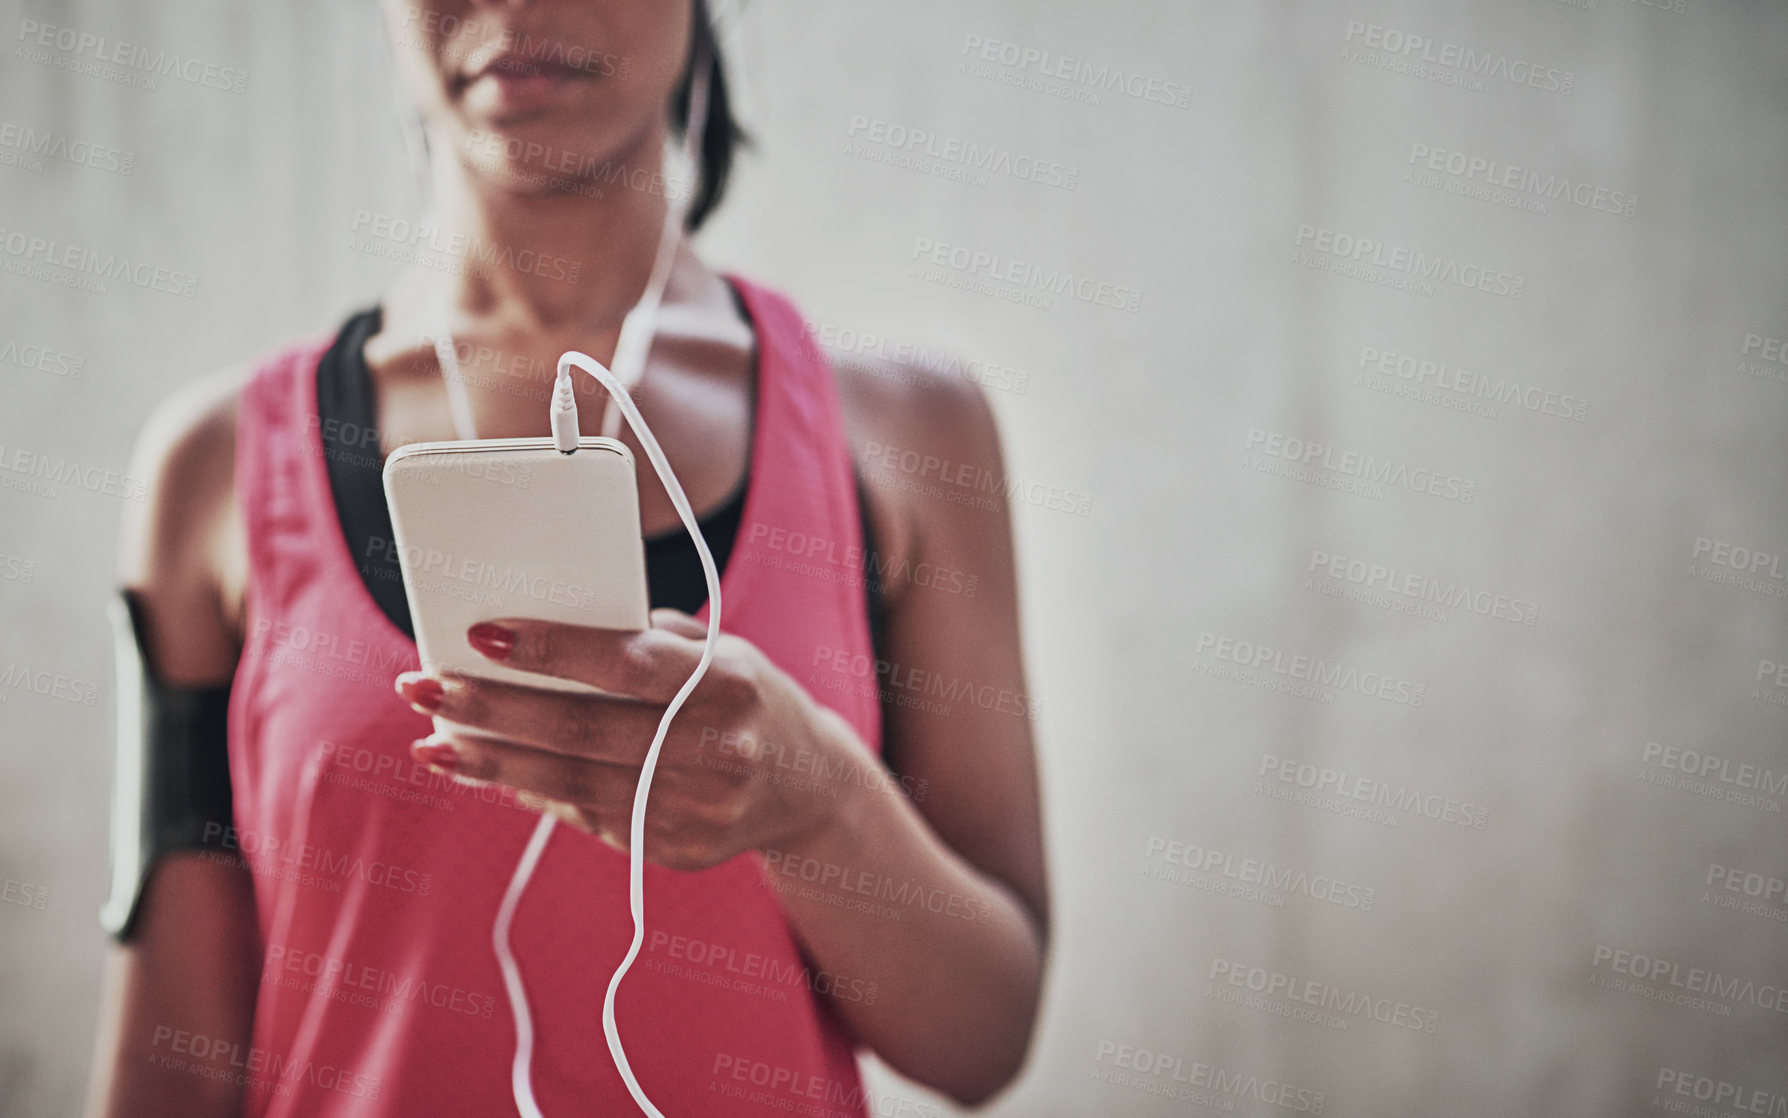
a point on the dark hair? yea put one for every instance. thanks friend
(721, 136)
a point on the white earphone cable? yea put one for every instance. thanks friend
(521, 1077)
(638, 328)
(565, 405)
(565, 436)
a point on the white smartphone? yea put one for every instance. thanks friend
(491, 528)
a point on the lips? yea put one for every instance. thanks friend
(512, 64)
(508, 84)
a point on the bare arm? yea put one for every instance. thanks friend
(961, 969)
(192, 964)
(185, 974)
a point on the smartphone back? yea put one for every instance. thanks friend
(494, 528)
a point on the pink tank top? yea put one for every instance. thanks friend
(376, 881)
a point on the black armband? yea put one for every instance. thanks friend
(171, 780)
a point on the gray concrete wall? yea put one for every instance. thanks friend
(1498, 791)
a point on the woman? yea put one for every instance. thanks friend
(839, 854)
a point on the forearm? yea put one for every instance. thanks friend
(144, 1062)
(179, 1000)
(955, 959)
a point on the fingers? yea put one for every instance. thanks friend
(589, 727)
(649, 665)
(680, 623)
(595, 788)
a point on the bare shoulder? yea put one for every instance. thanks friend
(180, 550)
(195, 425)
(927, 447)
(913, 404)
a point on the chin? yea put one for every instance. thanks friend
(546, 150)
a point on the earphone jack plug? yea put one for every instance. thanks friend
(564, 415)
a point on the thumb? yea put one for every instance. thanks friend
(680, 623)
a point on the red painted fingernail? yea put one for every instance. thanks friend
(492, 640)
(436, 754)
(425, 694)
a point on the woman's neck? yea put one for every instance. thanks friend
(534, 274)
(544, 260)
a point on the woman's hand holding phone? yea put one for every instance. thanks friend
(751, 761)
